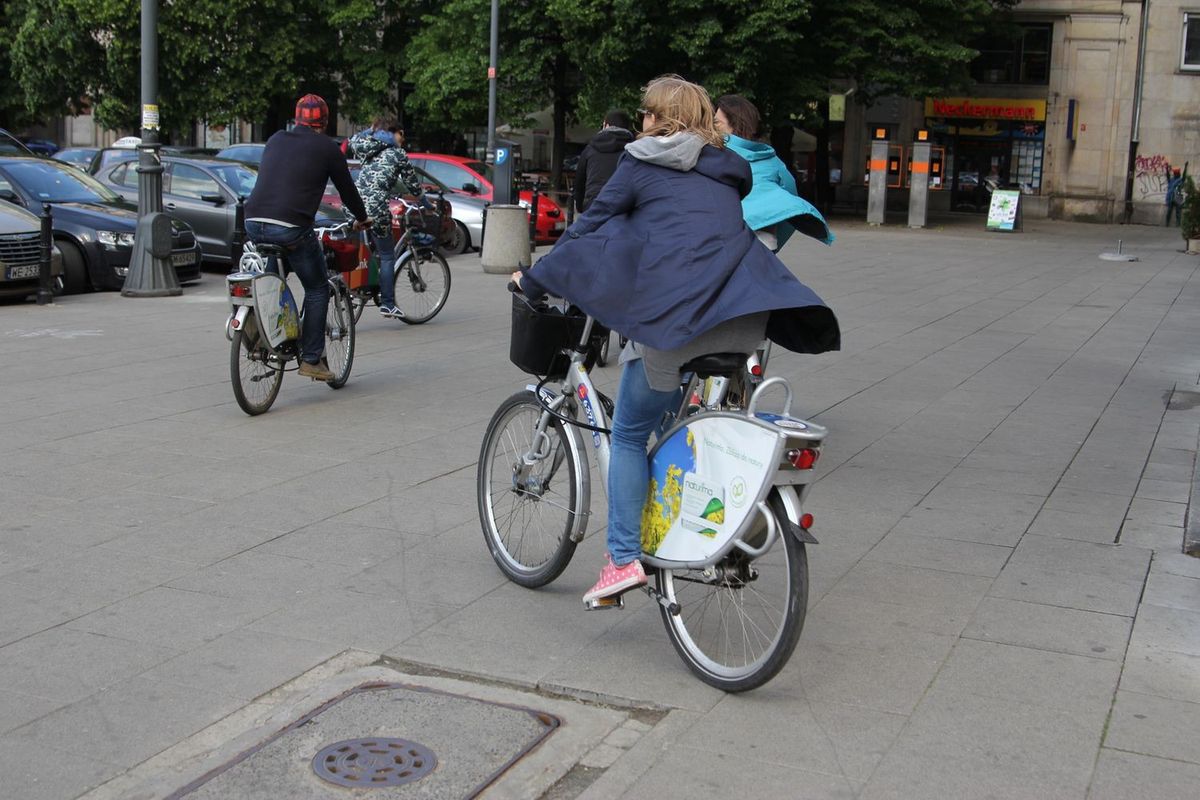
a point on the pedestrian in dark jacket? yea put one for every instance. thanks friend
(598, 160)
(384, 166)
(664, 257)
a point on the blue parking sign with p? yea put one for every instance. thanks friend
(501, 155)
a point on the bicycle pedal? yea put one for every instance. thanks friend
(603, 603)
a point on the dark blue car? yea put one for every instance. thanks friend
(93, 226)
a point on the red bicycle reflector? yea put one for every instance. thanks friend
(235, 324)
(806, 521)
(756, 370)
(239, 289)
(803, 459)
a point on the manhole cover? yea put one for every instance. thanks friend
(373, 762)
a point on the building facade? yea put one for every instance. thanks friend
(1087, 110)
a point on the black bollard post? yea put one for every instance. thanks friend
(238, 241)
(483, 228)
(533, 215)
(45, 293)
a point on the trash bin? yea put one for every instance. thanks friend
(505, 240)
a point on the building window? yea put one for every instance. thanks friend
(1191, 43)
(1023, 59)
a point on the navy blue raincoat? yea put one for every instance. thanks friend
(663, 255)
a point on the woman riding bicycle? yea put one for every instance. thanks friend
(663, 256)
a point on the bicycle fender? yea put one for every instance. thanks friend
(791, 506)
(236, 321)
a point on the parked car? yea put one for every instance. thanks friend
(21, 251)
(200, 190)
(106, 157)
(41, 147)
(93, 226)
(11, 145)
(474, 178)
(248, 153)
(467, 212)
(80, 157)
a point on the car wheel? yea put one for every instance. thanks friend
(459, 241)
(75, 276)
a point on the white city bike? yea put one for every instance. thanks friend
(723, 532)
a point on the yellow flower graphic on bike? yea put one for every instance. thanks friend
(673, 458)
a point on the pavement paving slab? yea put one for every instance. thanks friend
(999, 605)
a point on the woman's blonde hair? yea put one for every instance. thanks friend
(678, 106)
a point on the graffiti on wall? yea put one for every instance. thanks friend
(1151, 174)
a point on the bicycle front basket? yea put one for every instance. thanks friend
(540, 334)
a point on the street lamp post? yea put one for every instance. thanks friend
(493, 57)
(150, 270)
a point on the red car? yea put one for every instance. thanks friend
(471, 177)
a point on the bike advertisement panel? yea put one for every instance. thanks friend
(704, 482)
(276, 309)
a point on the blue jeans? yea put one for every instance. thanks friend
(306, 258)
(385, 248)
(639, 410)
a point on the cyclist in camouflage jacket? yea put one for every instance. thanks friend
(384, 162)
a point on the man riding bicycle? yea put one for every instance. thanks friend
(296, 166)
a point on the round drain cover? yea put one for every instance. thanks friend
(373, 762)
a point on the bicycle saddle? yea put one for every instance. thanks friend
(721, 365)
(270, 249)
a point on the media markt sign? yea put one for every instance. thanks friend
(986, 108)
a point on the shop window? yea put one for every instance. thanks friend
(1191, 43)
(1025, 58)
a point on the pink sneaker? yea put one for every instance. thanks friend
(615, 580)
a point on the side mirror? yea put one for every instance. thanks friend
(10, 196)
(470, 188)
(216, 199)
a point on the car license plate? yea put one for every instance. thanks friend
(182, 259)
(560, 226)
(21, 272)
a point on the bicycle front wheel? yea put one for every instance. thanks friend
(422, 285)
(255, 373)
(739, 620)
(339, 334)
(528, 510)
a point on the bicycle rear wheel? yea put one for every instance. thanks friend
(339, 334)
(739, 621)
(422, 285)
(527, 513)
(256, 374)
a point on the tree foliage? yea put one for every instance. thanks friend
(219, 60)
(226, 59)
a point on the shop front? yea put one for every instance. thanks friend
(988, 143)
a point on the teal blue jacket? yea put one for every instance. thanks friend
(774, 200)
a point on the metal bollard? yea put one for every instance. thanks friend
(483, 228)
(237, 243)
(45, 292)
(533, 215)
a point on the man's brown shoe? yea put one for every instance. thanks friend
(318, 371)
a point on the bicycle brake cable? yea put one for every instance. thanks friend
(561, 417)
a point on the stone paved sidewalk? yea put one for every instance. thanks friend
(999, 606)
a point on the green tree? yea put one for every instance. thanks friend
(219, 60)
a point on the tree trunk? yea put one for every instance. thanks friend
(558, 145)
(824, 201)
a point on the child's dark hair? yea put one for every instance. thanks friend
(743, 117)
